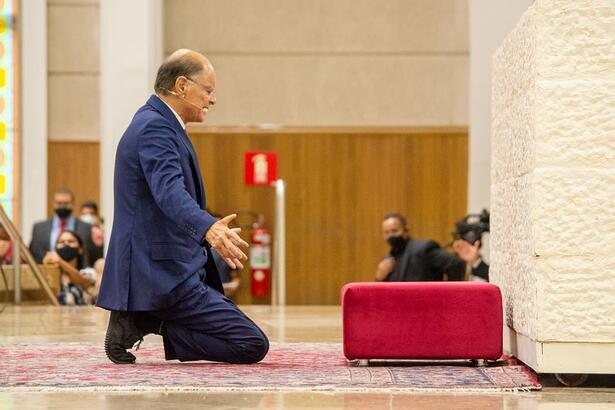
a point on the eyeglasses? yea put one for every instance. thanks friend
(208, 90)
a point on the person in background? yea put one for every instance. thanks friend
(6, 247)
(88, 213)
(470, 253)
(79, 283)
(229, 277)
(46, 233)
(413, 260)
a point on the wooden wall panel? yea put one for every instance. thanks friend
(340, 183)
(74, 165)
(339, 186)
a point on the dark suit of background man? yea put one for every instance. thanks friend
(413, 260)
(159, 274)
(45, 233)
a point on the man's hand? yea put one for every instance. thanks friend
(467, 252)
(385, 267)
(227, 241)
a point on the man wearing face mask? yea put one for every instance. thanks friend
(46, 233)
(89, 214)
(412, 260)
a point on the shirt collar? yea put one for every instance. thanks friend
(181, 122)
(70, 222)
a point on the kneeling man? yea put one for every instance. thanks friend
(159, 274)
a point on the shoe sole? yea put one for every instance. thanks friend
(128, 358)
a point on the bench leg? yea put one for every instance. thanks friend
(480, 362)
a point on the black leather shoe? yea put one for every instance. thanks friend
(122, 334)
(148, 323)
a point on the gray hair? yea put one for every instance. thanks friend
(168, 72)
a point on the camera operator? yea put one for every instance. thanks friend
(468, 241)
(470, 253)
(412, 260)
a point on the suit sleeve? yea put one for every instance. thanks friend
(35, 248)
(160, 162)
(482, 271)
(443, 261)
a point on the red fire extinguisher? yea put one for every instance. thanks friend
(260, 259)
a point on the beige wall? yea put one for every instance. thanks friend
(73, 95)
(490, 22)
(299, 62)
(73, 70)
(330, 62)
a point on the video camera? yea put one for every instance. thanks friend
(472, 227)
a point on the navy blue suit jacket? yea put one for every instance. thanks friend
(159, 215)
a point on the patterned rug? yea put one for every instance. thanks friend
(287, 367)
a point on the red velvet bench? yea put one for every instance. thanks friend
(422, 320)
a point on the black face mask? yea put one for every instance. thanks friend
(398, 243)
(68, 253)
(63, 213)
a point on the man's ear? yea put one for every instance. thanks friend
(180, 84)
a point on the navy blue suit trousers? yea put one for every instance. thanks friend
(206, 325)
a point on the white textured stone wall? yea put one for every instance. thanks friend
(553, 172)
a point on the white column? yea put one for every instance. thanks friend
(553, 186)
(131, 51)
(33, 192)
(490, 22)
(279, 267)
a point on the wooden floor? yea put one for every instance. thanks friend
(291, 324)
